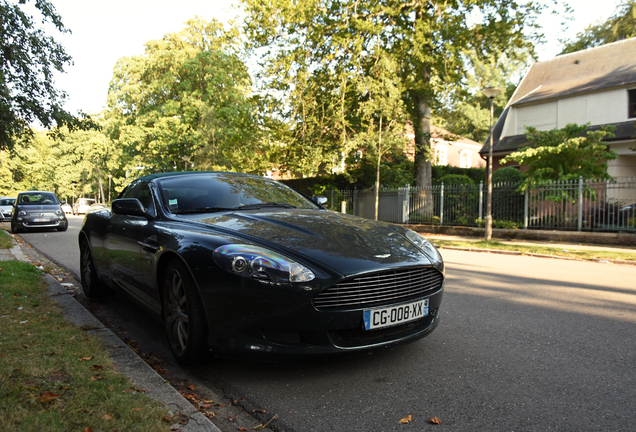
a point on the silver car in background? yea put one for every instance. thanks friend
(6, 207)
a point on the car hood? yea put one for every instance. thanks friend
(348, 244)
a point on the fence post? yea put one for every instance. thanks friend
(481, 200)
(355, 201)
(331, 199)
(441, 205)
(405, 204)
(526, 207)
(580, 203)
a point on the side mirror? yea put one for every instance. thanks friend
(63, 202)
(129, 207)
(320, 200)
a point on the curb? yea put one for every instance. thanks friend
(126, 361)
(536, 255)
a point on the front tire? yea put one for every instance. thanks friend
(93, 288)
(14, 228)
(183, 314)
(63, 227)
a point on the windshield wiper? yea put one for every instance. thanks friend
(268, 204)
(201, 210)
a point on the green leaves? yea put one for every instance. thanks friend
(621, 25)
(316, 52)
(564, 154)
(188, 95)
(28, 58)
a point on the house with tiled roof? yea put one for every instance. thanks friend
(595, 86)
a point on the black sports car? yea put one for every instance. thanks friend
(245, 266)
(37, 210)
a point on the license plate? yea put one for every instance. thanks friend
(387, 317)
(41, 220)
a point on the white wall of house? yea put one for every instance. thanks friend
(595, 108)
(625, 164)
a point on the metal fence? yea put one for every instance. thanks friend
(579, 205)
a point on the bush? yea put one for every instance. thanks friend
(507, 175)
(456, 179)
(476, 174)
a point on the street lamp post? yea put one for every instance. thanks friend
(73, 184)
(186, 159)
(491, 93)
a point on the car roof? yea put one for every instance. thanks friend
(34, 191)
(150, 177)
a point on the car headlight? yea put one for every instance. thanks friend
(22, 213)
(58, 212)
(425, 245)
(260, 263)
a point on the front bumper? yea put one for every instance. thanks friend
(29, 224)
(284, 327)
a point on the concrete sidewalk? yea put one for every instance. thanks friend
(125, 359)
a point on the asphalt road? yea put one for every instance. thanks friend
(524, 344)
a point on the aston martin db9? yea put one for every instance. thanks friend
(244, 266)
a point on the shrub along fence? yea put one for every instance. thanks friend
(577, 205)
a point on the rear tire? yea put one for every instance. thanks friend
(183, 314)
(93, 288)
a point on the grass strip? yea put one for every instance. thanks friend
(5, 240)
(53, 376)
(565, 251)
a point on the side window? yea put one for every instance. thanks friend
(631, 103)
(139, 189)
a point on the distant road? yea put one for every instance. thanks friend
(60, 247)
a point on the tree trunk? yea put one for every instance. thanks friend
(423, 202)
(422, 130)
(101, 190)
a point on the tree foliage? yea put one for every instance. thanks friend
(71, 163)
(188, 95)
(28, 59)
(620, 26)
(564, 154)
(315, 52)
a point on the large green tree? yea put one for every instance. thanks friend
(188, 95)
(620, 26)
(330, 43)
(28, 59)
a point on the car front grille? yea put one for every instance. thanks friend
(379, 289)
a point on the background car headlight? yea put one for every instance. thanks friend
(426, 246)
(260, 263)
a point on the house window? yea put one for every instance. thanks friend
(631, 103)
(440, 155)
(465, 157)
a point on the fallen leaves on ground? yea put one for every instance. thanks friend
(48, 396)
(435, 420)
(406, 419)
(85, 358)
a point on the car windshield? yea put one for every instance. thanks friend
(7, 202)
(37, 198)
(218, 192)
